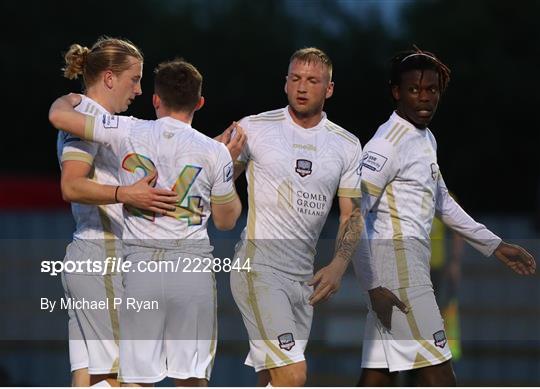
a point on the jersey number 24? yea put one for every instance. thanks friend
(192, 212)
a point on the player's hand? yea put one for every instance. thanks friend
(516, 258)
(327, 282)
(237, 142)
(143, 195)
(225, 136)
(382, 303)
(234, 137)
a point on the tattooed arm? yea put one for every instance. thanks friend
(351, 223)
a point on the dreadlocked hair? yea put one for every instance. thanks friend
(418, 59)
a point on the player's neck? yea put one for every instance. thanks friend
(305, 121)
(100, 99)
(178, 115)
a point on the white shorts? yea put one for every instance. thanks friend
(78, 352)
(416, 340)
(93, 332)
(175, 334)
(277, 317)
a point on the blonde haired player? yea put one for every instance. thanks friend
(176, 336)
(111, 71)
(296, 161)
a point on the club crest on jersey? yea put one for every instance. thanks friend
(303, 167)
(286, 341)
(373, 161)
(440, 338)
(434, 171)
(228, 172)
(110, 121)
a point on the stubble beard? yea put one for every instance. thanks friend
(308, 112)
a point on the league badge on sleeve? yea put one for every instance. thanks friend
(434, 171)
(228, 172)
(360, 164)
(373, 161)
(303, 167)
(110, 121)
(286, 341)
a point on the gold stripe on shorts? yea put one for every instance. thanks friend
(110, 251)
(416, 332)
(252, 299)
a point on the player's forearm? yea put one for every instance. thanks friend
(225, 216)
(348, 237)
(476, 234)
(63, 117)
(85, 191)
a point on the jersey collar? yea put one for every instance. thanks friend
(175, 123)
(396, 118)
(318, 126)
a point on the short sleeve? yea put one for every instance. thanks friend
(379, 166)
(109, 130)
(349, 184)
(76, 149)
(223, 191)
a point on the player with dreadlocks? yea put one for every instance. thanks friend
(403, 190)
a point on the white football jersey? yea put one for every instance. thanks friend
(197, 167)
(293, 174)
(404, 188)
(92, 221)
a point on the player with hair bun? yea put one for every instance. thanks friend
(111, 72)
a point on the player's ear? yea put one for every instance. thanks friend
(108, 79)
(200, 104)
(395, 92)
(156, 101)
(285, 86)
(330, 89)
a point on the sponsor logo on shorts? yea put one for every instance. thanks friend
(286, 341)
(440, 338)
(110, 121)
(303, 167)
(373, 161)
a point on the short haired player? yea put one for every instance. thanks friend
(296, 160)
(179, 339)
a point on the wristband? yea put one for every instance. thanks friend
(116, 194)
